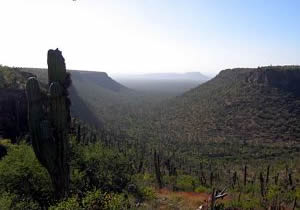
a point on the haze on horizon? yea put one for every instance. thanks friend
(150, 36)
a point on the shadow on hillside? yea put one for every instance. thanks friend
(80, 109)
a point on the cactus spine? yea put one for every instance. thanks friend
(49, 122)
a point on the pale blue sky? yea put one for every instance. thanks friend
(143, 36)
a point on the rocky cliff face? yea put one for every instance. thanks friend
(285, 78)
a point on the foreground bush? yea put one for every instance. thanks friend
(68, 204)
(23, 177)
(25, 184)
(186, 183)
(94, 200)
(96, 167)
(10, 201)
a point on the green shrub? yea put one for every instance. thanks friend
(6, 200)
(78, 178)
(68, 204)
(10, 201)
(147, 193)
(142, 183)
(186, 183)
(100, 168)
(22, 175)
(249, 188)
(244, 203)
(98, 200)
(201, 189)
(273, 192)
(169, 181)
(297, 193)
(143, 180)
(26, 204)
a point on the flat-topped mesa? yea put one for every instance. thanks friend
(49, 119)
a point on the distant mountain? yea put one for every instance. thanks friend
(247, 104)
(195, 76)
(167, 84)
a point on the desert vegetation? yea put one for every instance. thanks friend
(230, 143)
(149, 104)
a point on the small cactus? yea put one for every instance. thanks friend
(245, 175)
(49, 122)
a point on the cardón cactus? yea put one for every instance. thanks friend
(49, 121)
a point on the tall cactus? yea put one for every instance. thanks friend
(157, 169)
(49, 122)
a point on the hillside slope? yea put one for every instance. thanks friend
(260, 104)
(92, 94)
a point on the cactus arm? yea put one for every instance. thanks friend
(40, 128)
(35, 114)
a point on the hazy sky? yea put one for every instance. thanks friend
(142, 36)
